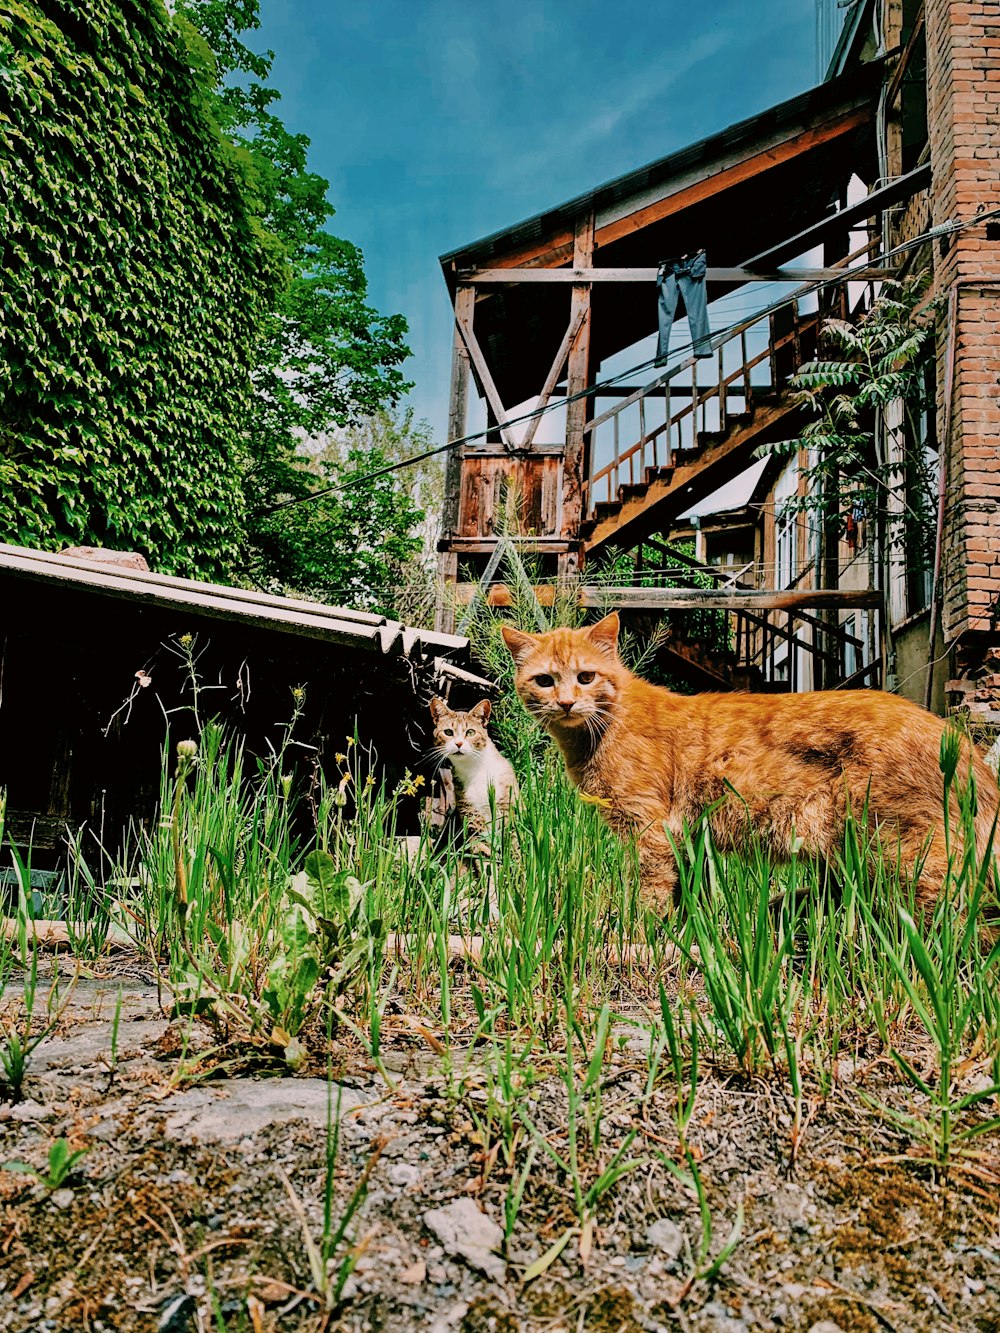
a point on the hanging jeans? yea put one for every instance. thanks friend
(686, 276)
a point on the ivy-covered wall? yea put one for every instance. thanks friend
(134, 277)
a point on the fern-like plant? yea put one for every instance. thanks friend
(871, 384)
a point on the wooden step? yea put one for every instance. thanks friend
(658, 474)
(739, 421)
(605, 509)
(632, 491)
(668, 491)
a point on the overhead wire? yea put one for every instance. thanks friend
(594, 390)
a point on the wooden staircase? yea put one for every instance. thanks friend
(707, 434)
(759, 625)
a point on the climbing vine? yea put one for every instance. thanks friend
(134, 278)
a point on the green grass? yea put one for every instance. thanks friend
(537, 965)
(762, 972)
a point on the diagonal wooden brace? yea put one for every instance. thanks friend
(485, 378)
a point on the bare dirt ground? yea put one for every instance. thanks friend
(178, 1218)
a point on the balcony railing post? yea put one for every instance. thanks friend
(722, 392)
(642, 435)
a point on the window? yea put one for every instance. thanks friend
(922, 464)
(786, 527)
(856, 655)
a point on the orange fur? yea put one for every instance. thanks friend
(780, 766)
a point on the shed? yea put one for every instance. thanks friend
(96, 673)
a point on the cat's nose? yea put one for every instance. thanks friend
(567, 705)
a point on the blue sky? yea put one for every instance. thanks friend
(439, 121)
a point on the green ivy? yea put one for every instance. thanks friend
(135, 277)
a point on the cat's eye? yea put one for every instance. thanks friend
(470, 734)
(544, 681)
(585, 677)
(448, 731)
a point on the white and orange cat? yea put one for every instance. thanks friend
(777, 766)
(485, 779)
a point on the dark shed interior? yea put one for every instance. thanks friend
(81, 736)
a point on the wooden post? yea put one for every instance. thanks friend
(444, 618)
(578, 372)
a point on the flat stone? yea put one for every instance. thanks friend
(236, 1108)
(178, 1315)
(469, 1234)
(402, 1174)
(721, 1320)
(30, 1110)
(825, 1326)
(665, 1236)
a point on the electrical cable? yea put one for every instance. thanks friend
(594, 390)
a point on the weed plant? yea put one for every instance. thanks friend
(535, 966)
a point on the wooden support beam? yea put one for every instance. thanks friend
(465, 300)
(903, 187)
(726, 599)
(565, 347)
(482, 277)
(688, 599)
(483, 373)
(734, 174)
(475, 449)
(487, 545)
(896, 82)
(577, 409)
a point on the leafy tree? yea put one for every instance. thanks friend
(357, 541)
(327, 359)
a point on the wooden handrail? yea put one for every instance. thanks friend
(718, 391)
(800, 326)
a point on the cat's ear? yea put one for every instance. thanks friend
(482, 711)
(438, 708)
(519, 643)
(604, 634)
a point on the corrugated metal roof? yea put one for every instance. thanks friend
(335, 625)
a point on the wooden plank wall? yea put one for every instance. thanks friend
(534, 486)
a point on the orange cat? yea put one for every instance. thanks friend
(780, 765)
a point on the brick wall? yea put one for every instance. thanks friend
(963, 76)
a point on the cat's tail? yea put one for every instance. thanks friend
(988, 836)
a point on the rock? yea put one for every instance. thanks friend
(62, 1198)
(402, 1174)
(469, 1234)
(450, 1318)
(237, 1109)
(721, 1320)
(178, 1315)
(103, 554)
(665, 1236)
(825, 1326)
(414, 1274)
(31, 1110)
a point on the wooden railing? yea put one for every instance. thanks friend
(790, 340)
(818, 651)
